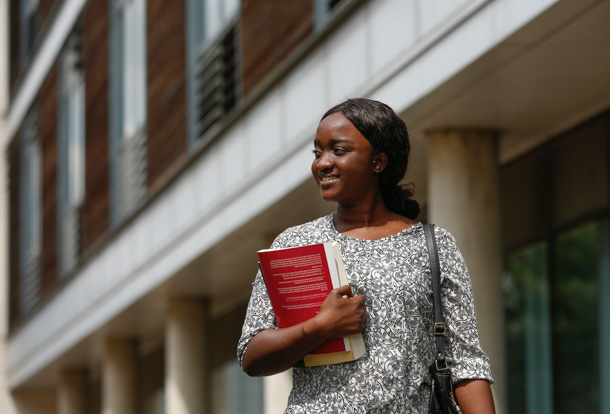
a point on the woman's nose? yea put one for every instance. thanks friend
(324, 161)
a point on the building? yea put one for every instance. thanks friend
(153, 146)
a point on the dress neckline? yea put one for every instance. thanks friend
(331, 223)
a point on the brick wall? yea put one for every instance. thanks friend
(46, 9)
(14, 43)
(48, 99)
(271, 29)
(166, 88)
(96, 210)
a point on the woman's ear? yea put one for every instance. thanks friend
(380, 161)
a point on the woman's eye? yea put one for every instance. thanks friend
(316, 152)
(339, 151)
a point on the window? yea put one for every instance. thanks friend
(557, 317)
(29, 27)
(232, 390)
(31, 214)
(235, 392)
(71, 154)
(211, 17)
(129, 99)
(324, 9)
(213, 69)
(557, 273)
(527, 306)
(580, 260)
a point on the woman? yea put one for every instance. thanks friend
(361, 151)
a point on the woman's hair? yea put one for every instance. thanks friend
(388, 134)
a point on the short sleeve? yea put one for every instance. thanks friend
(259, 314)
(467, 358)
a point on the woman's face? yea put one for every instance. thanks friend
(344, 168)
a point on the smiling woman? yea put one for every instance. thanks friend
(361, 153)
(344, 162)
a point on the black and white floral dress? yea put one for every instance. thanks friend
(393, 274)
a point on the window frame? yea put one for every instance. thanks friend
(199, 42)
(31, 213)
(71, 154)
(128, 89)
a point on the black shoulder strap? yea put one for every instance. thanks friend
(439, 325)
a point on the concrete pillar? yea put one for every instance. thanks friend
(7, 405)
(276, 389)
(119, 377)
(185, 377)
(463, 197)
(72, 392)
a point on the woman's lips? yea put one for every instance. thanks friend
(327, 180)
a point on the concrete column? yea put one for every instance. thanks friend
(463, 197)
(7, 405)
(185, 377)
(276, 389)
(119, 377)
(72, 392)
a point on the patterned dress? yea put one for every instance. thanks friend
(393, 274)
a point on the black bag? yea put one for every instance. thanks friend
(442, 395)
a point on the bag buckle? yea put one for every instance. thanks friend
(439, 328)
(441, 364)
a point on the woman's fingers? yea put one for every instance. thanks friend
(342, 313)
(344, 290)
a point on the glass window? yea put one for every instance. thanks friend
(557, 273)
(213, 68)
(129, 114)
(557, 304)
(220, 12)
(132, 55)
(324, 9)
(527, 301)
(577, 259)
(29, 27)
(71, 154)
(211, 16)
(233, 391)
(231, 382)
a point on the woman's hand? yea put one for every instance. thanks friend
(275, 350)
(341, 314)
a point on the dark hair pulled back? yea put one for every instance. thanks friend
(388, 134)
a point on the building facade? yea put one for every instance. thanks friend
(152, 147)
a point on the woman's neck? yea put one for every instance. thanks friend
(369, 221)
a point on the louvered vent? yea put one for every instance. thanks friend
(30, 285)
(217, 81)
(133, 173)
(72, 239)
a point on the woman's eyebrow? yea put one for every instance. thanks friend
(333, 141)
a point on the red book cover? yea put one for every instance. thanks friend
(298, 280)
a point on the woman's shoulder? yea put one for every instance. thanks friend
(305, 233)
(445, 242)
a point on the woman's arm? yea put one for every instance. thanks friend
(474, 397)
(275, 350)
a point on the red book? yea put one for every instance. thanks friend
(298, 280)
